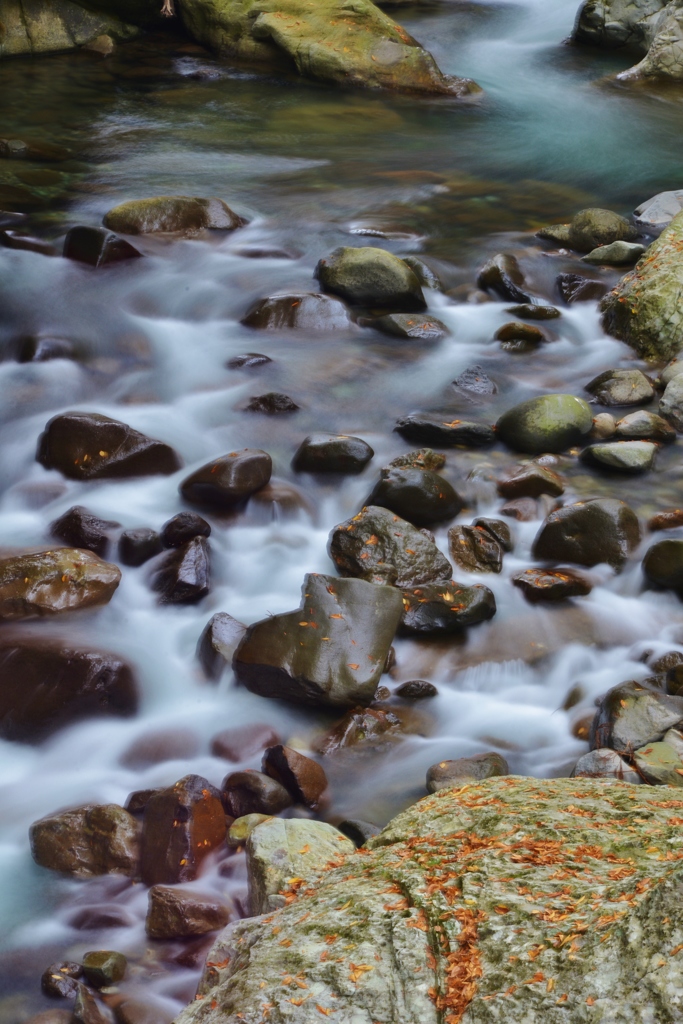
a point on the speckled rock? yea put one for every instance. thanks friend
(621, 456)
(671, 402)
(616, 254)
(444, 609)
(644, 426)
(621, 387)
(605, 763)
(55, 581)
(660, 764)
(631, 715)
(595, 227)
(462, 770)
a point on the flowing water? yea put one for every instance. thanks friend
(311, 167)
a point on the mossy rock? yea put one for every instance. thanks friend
(34, 26)
(550, 423)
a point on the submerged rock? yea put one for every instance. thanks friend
(519, 337)
(551, 584)
(182, 824)
(180, 913)
(185, 215)
(417, 495)
(474, 380)
(502, 275)
(247, 360)
(243, 741)
(97, 247)
(218, 642)
(465, 770)
(79, 528)
(360, 727)
(272, 403)
(87, 841)
(228, 481)
(531, 481)
(371, 277)
(577, 288)
(332, 453)
(444, 609)
(300, 311)
(423, 428)
(550, 423)
(51, 582)
(588, 533)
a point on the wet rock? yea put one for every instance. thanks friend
(181, 826)
(551, 584)
(88, 446)
(87, 1010)
(631, 715)
(332, 453)
(302, 777)
(671, 402)
(79, 528)
(300, 311)
(588, 533)
(474, 381)
(253, 792)
(376, 544)
(644, 426)
(663, 565)
(558, 233)
(604, 764)
(621, 387)
(672, 369)
(416, 689)
(524, 510)
(502, 275)
(668, 520)
(86, 841)
(51, 582)
(519, 337)
(37, 349)
(660, 764)
(427, 277)
(410, 325)
(371, 277)
(160, 745)
(617, 254)
(103, 967)
(423, 428)
(244, 741)
(550, 423)
(25, 243)
(530, 481)
(217, 644)
(137, 546)
(423, 458)
(666, 662)
(181, 913)
(241, 828)
(185, 215)
(272, 403)
(59, 981)
(577, 288)
(137, 800)
(465, 770)
(440, 610)
(358, 831)
(279, 499)
(604, 426)
(182, 528)
(227, 482)
(184, 575)
(498, 529)
(621, 456)
(529, 311)
(97, 247)
(592, 228)
(475, 549)
(365, 727)
(247, 361)
(657, 212)
(417, 495)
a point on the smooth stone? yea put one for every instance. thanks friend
(252, 792)
(182, 824)
(180, 913)
(552, 585)
(55, 581)
(279, 500)
(605, 764)
(588, 533)
(644, 426)
(97, 247)
(242, 742)
(434, 610)
(617, 254)
(558, 233)
(87, 841)
(660, 764)
(531, 481)
(247, 360)
(332, 453)
(359, 832)
(87, 1010)
(417, 495)
(604, 426)
(302, 777)
(137, 800)
(182, 528)
(663, 565)
(464, 770)
(416, 689)
(631, 715)
(59, 980)
(228, 481)
(502, 275)
(592, 228)
(529, 311)
(299, 311)
(578, 288)
(672, 369)
(137, 546)
(183, 576)
(410, 325)
(423, 458)
(427, 277)
(621, 387)
(79, 528)
(668, 520)
(475, 549)
(423, 428)
(657, 212)
(549, 423)
(624, 456)
(520, 335)
(371, 277)
(103, 967)
(273, 403)
(218, 642)
(186, 215)
(671, 402)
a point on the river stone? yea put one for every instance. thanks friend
(660, 764)
(34, 29)
(410, 325)
(103, 967)
(663, 565)
(530, 311)
(531, 481)
(475, 549)
(51, 582)
(330, 651)
(474, 380)
(358, 831)
(367, 727)
(87, 841)
(549, 423)
(241, 828)
(79, 528)
(519, 337)
(644, 426)
(621, 387)
(456, 861)
(97, 247)
(88, 446)
(551, 584)
(218, 642)
(180, 913)
(46, 686)
(667, 520)
(657, 212)
(182, 528)
(631, 715)
(416, 689)
(371, 277)
(139, 545)
(59, 980)
(555, 233)
(247, 360)
(243, 741)
(588, 533)
(624, 456)
(87, 1010)
(605, 764)
(301, 776)
(672, 369)
(422, 458)
(230, 480)
(417, 495)
(464, 770)
(578, 288)
(423, 428)
(498, 529)
(332, 453)
(272, 403)
(375, 544)
(440, 610)
(280, 852)
(252, 792)
(182, 824)
(617, 254)
(671, 402)
(502, 275)
(300, 311)
(185, 215)
(183, 575)
(592, 228)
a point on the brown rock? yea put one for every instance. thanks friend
(303, 311)
(416, 689)
(138, 800)
(183, 528)
(498, 529)
(531, 481)
(272, 403)
(180, 913)
(50, 582)
(184, 574)
(90, 840)
(217, 644)
(59, 981)
(137, 546)
(577, 288)
(159, 746)
(229, 481)
(103, 967)
(79, 528)
(87, 1010)
(143, 1011)
(243, 742)
(301, 776)
(551, 584)
(518, 337)
(667, 520)
(360, 727)
(474, 549)
(464, 770)
(252, 792)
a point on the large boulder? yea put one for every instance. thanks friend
(476, 904)
(51, 582)
(368, 276)
(186, 215)
(32, 28)
(549, 423)
(595, 227)
(331, 651)
(588, 533)
(86, 841)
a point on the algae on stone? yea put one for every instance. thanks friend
(33, 26)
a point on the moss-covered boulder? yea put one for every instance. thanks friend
(542, 901)
(185, 215)
(368, 276)
(550, 423)
(39, 27)
(595, 227)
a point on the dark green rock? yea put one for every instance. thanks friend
(550, 423)
(529, 311)
(332, 453)
(104, 967)
(595, 227)
(418, 495)
(185, 215)
(447, 608)
(371, 277)
(588, 533)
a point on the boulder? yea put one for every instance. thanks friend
(46, 686)
(549, 423)
(88, 446)
(137, 546)
(420, 496)
(621, 456)
(551, 584)
(183, 528)
(631, 715)
(663, 565)
(181, 913)
(671, 402)
(657, 212)
(664, 58)
(410, 325)
(588, 533)
(441, 610)
(272, 403)
(97, 247)
(416, 689)
(252, 792)
(183, 576)
(79, 528)
(228, 482)
(301, 776)
(578, 288)
(376, 544)
(475, 549)
(62, 25)
(660, 764)
(617, 254)
(371, 277)
(502, 275)
(299, 311)
(186, 215)
(621, 387)
(465, 770)
(331, 651)
(332, 453)
(644, 426)
(423, 428)
(87, 841)
(243, 741)
(60, 980)
(605, 764)
(217, 644)
(531, 481)
(103, 967)
(592, 228)
(51, 582)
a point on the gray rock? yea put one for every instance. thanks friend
(417, 495)
(617, 254)
(631, 715)
(671, 370)
(622, 456)
(464, 770)
(588, 533)
(644, 426)
(660, 764)
(671, 402)
(605, 425)
(410, 325)
(605, 764)
(621, 387)
(218, 642)
(424, 428)
(657, 212)
(592, 228)
(371, 277)
(550, 423)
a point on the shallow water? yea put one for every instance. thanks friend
(310, 167)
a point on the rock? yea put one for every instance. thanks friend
(38, 349)
(364, 727)
(186, 215)
(668, 520)
(280, 850)
(621, 387)
(531, 481)
(228, 481)
(644, 426)
(440, 610)
(299, 311)
(617, 254)
(604, 425)
(549, 423)
(88, 446)
(182, 528)
(623, 456)
(555, 233)
(184, 574)
(631, 715)
(671, 402)
(577, 288)
(502, 275)
(104, 45)
(279, 500)
(474, 381)
(137, 546)
(530, 311)
(241, 828)
(182, 824)
(51, 582)
(409, 325)
(519, 337)
(272, 403)
(371, 277)
(301, 776)
(498, 529)
(137, 800)
(423, 458)
(243, 741)
(660, 764)
(181, 913)
(422, 428)
(465, 770)
(151, 1010)
(663, 565)
(87, 841)
(59, 980)
(160, 745)
(25, 243)
(358, 831)
(588, 533)
(475, 549)
(97, 247)
(252, 792)
(79, 528)
(592, 228)
(46, 686)
(642, 309)
(657, 212)
(104, 967)
(605, 764)
(332, 453)
(672, 369)
(416, 689)
(61, 26)
(217, 644)
(524, 510)
(551, 584)
(51, 1016)
(247, 360)
(87, 1010)
(417, 495)
(376, 544)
